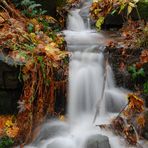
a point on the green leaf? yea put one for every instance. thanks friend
(30, 28)
(121, 8)
(99, 22)
(113, 12)
(132, 69)
(27, 2)
(141, 72)
(145, 86)
(34, 6)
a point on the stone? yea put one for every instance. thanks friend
(142, 7)
(145, 131)
(98, 141)
(10, 88)
(49, 6)
(49, 130)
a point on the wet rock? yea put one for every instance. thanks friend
(145, 131)
(49, 130)
(98, 141)
(113, 21)
(10, 88)
(48, 5)
(142, 7)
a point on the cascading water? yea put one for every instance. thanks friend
(86, 80)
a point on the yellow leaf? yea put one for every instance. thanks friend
(99, 22)
(62, 118)
(131, 4)
(129, 9)
(9, 123)
(12, 132)
(140, 121)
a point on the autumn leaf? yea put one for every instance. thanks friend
(12, 132)
(62, 118)
(135, 103)
(144, 56)
(140, 121)
(130, 135)
(9, 123)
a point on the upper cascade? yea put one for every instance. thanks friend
(78, 19)
(75, 21)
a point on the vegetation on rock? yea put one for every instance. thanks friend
(35, 44)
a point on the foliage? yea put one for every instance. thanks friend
(136, 72)
(101, 8)
(6, 142)
(134, 34)
(39, 49)
(61, 3)
(8, 126)
(30, 8)
(130, 121)
(145, 87)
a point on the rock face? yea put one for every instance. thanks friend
(145, 131)
(10, 88)
(49, 5)
(98, 141)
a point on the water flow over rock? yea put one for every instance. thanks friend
(86, 80)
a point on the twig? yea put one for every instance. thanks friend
(122, 110)
(103, 90)
(5, 11)
(10, 9)
(139, 17)
(2, 17)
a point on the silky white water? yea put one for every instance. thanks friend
(86, 80)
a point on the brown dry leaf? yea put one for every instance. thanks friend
(140, 121)
(12, 132)
(3, 16)
(52, 52)
(130, 135)
(144, 56)
(28, 66)
(136, 103)
(122, 66)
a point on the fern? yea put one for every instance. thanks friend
(30, 8)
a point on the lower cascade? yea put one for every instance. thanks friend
(93, 100)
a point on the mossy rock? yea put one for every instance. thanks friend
(142, 10)
(60, 3)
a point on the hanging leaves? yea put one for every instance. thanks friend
(40, 51)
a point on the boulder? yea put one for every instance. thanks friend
(98, 141)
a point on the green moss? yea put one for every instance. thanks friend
(143, 9)
(60, 3)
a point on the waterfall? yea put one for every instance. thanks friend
(86, 81)
(76, 22)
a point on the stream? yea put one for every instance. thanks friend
(87, 105)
